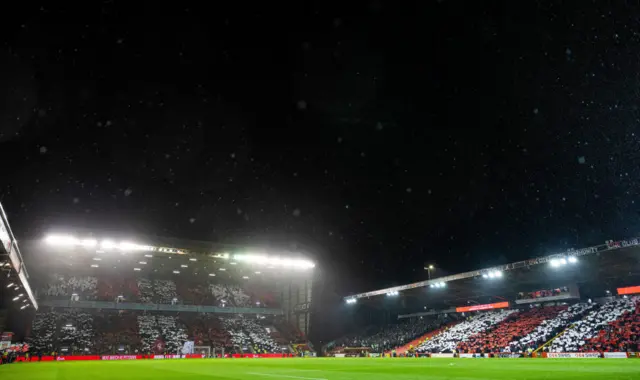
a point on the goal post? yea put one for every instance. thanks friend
(206, 350)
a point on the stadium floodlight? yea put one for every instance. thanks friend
(89, 243)
(212, 274)
(484, 275)
(572, 259)
(74, 294)
(136, 269)
(222, 269)
(392, 294)
(176, 272)
(148, 255)
(497, 274)
(15, 299)
(554, 263)
(245, 277)
(10, 285)
(233, 263)
(491, 275)
(97, 259)
(95, 265)
(61, 240)
(432, 286)
(351, 301)
(23, 307)
(443, 284)
(563, 261)
(107, 244)
(142, 263)
(258, 272)
(184, 266)
(193, 259)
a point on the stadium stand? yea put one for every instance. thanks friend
(388, 337)
(543, 293)
(576, 336)
(249, 336)
(623, 334)
(515, 326)
(549, 328)
(448, 340)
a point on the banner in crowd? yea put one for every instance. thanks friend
(188, 347)
(581, 355)
(118, 357)
(465, 356)
(489, 306)
(615, 355)
(339, 355)
(442, 355)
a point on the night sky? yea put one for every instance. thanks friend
(379, 135)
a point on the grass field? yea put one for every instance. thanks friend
(329, 369)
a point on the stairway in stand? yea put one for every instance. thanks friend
(402, 349)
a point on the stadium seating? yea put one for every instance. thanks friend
(162, 291)
(249, 335)
(43, 331)
(449, 339)
(587, 328)
(551, 327)
(623, 334)
(517, 325)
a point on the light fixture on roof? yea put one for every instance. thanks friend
(95, 266)
(89, 243)
(10, 285)
(351, 301)
(136, 269)
(148, 255)
(97, 259)
(572, 259)
(245, 277)
(222, 269)
(184, 266)
(24, 307)
(212, 274)
(143, 263)
(176, 272)
(74, 294)
(233, 263)
(258, 272)
(193, 259)
(392, 294)
(15, 298)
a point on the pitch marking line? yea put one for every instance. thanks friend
(286, 376)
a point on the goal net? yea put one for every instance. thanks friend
(206, 350)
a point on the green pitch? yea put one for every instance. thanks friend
(329, 369)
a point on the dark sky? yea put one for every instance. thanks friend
(380, 134)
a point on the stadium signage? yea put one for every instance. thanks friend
(629, 290)
(118, 357)
(469, 356)
(615, 355)
(490, 306)
(580, 355)
(442, 356)
(507, 355)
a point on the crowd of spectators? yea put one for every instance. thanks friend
(551, 327)
(387, 337)
(623, 334)
(146, 290)
(575, 337)
(247, 335)
(544, 293)
(130, 332)
(448, 340)
(515, 327)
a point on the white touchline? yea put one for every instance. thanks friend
(286, 376)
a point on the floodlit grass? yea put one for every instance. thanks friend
(329, 369)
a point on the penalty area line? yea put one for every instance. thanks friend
(285, 376)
